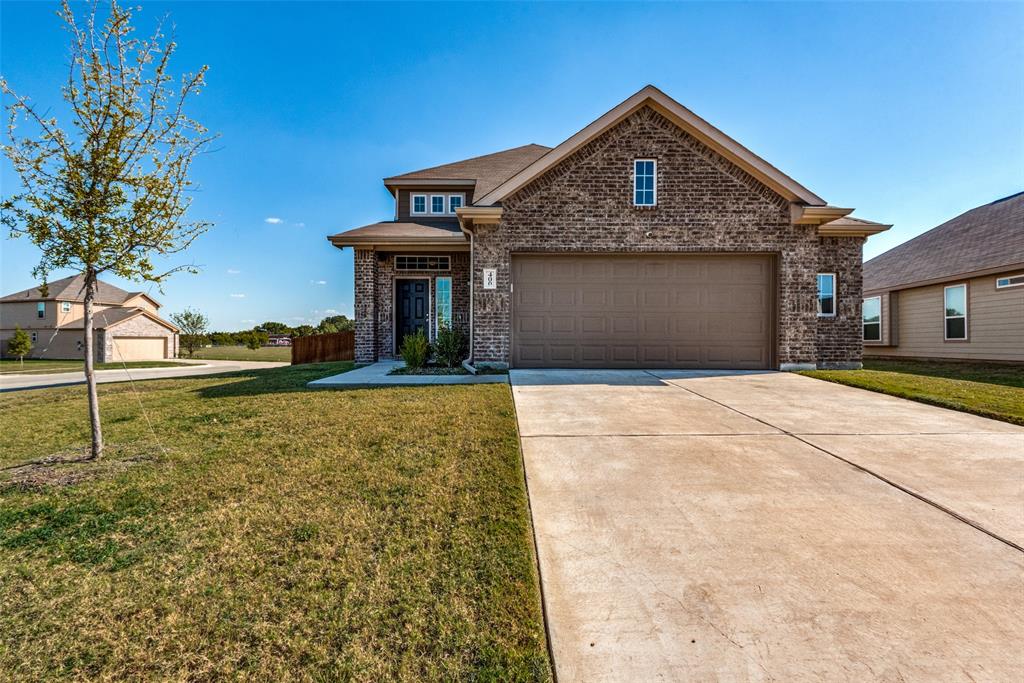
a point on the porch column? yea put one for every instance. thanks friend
(365, 304)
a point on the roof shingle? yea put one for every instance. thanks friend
(73, 289)
(489, 170)
(984, 238)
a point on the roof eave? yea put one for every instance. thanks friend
(398, 183)
(455, 243)
(967, 275)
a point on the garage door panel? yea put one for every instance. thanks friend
(139, 348)
(687, 311)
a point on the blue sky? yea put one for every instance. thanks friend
(912, 113)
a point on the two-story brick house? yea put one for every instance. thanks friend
(648, 239)
(127, 325)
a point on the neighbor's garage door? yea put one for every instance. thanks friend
(139, 348)
(642, 311)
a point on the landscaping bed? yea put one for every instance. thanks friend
(991, 390)
(246, 528)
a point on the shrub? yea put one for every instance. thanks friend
(415, 349)
(20, 344)
(450, 346)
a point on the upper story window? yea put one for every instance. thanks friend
(41, 310)
(1010, 281)
(872, 318)
(419, 203)
(645, 175)
(826, 294)
(437, 203)
(65, 306)
(956, 312)
(454, 202)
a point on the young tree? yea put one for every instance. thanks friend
(20, 345)
(193, 327)
(107, 191)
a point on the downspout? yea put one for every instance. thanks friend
(472, 280)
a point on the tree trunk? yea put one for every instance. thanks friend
(90, 376)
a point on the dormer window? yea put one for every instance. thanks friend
(454, 202)
(645, 174)
(437, 203)
(419, 203)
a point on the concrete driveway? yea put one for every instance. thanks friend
(768, 526)
(58, 379)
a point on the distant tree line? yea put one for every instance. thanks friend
(194, 334)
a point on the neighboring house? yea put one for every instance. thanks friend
(279, 340)
(649, 239)
(127, 325)
(957, 291)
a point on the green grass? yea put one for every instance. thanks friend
(372, 534)
(43, 367)
(989, 390)
(281, 354)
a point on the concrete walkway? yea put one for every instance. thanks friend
(377, 375)
(58, 379)
(768, 526)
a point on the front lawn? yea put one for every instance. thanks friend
(989, 390)
(247, 528)
(282, 354)
(10, 366)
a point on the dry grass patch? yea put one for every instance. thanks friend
(373, 534)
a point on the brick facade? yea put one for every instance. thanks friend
(705, 204)
(139, 326)
(375, 300)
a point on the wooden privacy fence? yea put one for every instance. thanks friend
(323, 348)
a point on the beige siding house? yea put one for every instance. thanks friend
(127, 324)
(956, 292)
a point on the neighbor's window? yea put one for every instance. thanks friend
(956, 312)
(443, 301)
(826, 294)
(454, 202)
(1010, 281)
(40, 310)
(437, 203)
(419, 203)
(644, 182)
(35, 337)
(873, 318)
(65, 306)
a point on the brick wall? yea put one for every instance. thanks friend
(365, 304)
(839, 339)
(705, 204)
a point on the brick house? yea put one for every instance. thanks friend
(649, 239)
(127, 325)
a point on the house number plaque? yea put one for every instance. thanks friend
(490, 278)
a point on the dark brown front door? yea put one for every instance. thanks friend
(412, 305)
(642, 311)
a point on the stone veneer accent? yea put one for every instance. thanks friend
(139, 326)
(705, 204)
(375, 300)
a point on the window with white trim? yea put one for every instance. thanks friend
(645, 176)
(454, 202)
(40, 310)
(955, 300)
(35, 337)
(65, 306)
(437, 203)
(443, 302)
(1010, 281)
(423, 262)
(419, 203)
(826, 295)
(872, 317)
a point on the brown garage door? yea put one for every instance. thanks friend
(642, 311)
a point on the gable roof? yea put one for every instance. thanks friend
(73, 289)
(486, 172)
(682, 117)
(109, 317)
(985, 238)
(401, 233)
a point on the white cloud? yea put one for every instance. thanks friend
(247, 321)
(299, 225)
(237, 296)
(273, 220)
(318, 282)
(233, 271)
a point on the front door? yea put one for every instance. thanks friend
(412, 303)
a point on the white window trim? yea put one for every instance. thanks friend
(40, 310)
(65, 306)
(879, 323)
(835, 296)
(462, 202)
(654, 184)
(412, 205)
(1009, 284)
(451, 303)
(444, 205)
(945, 327)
